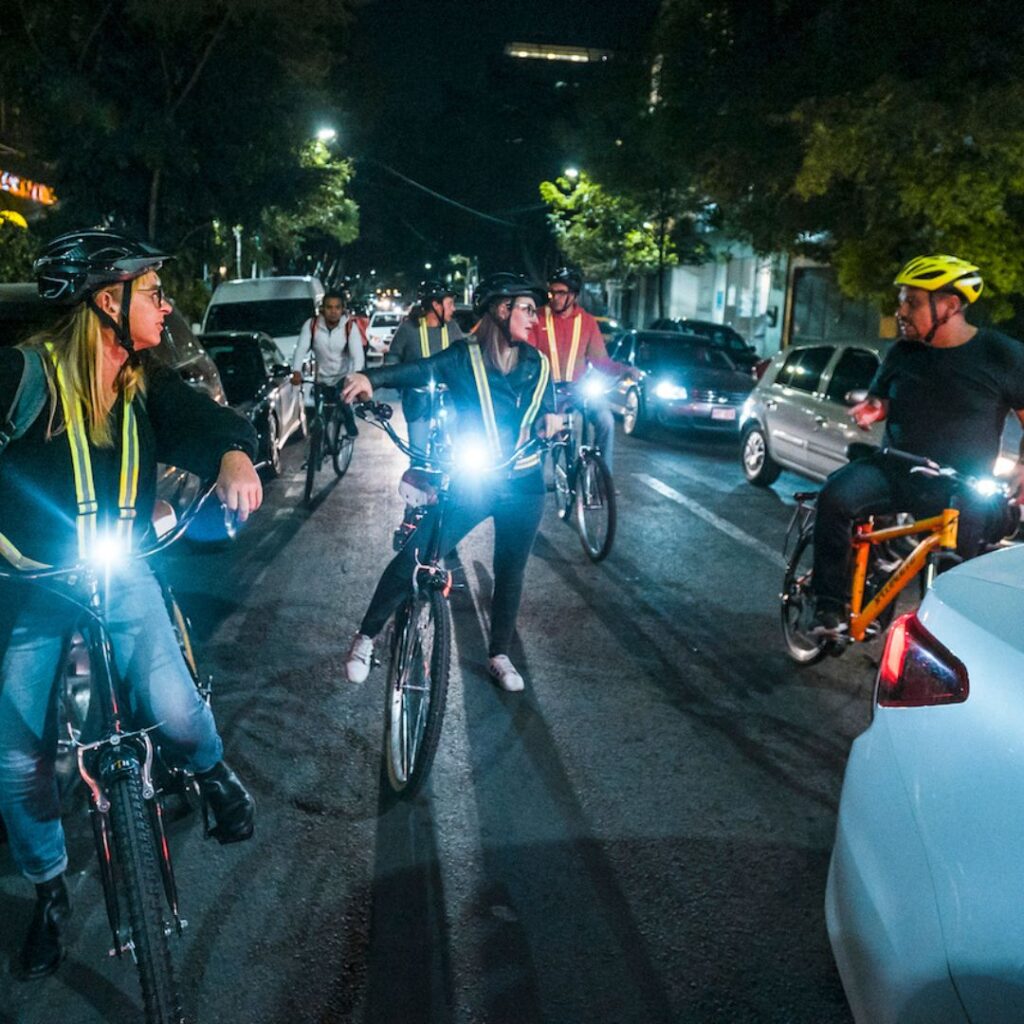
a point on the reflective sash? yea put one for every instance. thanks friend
(574, 346)
(425, 338)
(483, 390)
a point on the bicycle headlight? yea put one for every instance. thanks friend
(471, 455)
(987, 487)
(671, 392)
(593, 387)
(107, 552)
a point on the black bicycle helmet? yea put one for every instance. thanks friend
(572, 279)
(74, 265)
(433, 291)
(505, 286)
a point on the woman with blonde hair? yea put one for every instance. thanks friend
(87, 410)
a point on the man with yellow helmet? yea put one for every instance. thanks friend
(944, 391)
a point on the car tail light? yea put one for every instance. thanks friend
(757, 370)
(918, 671)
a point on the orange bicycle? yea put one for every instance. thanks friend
(882, 567)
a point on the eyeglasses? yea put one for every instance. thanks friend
(528, 310)
(558, 291)
(159, 298)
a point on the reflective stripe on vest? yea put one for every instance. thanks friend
(574, 345)
(483, 390)
(425, 338)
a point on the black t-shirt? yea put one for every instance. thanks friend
(950, 404)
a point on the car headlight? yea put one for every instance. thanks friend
(671, 392)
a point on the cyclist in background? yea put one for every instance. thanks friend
(84, 467)
(427, 330)
(571, 339)
(336, 343)
(501, 389)
(944, 390)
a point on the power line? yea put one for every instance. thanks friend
(444, 199)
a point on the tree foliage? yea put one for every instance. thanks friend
(161, 117)
(607, 234)
(857, 132)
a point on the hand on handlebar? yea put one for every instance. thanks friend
(238, 485)
(551, 425)
(357, 388)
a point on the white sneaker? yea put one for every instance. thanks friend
(505, 673)
(359, 658)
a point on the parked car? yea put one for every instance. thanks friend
(278, 306)
(925, 896)
(23, 313)
(720, 336)
(258, 383)
(383, 325)
(680, 381)
(798, 417)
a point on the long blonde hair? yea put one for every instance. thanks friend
(77, 342)
(498, 350)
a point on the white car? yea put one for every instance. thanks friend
(379, 333)
(925, 895)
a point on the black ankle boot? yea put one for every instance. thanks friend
(232, 806)
(44, 947)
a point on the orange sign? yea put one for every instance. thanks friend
(25, 189)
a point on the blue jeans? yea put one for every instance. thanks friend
(161, 691)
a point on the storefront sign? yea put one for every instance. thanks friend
(25, 189)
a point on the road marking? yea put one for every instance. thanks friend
(709, 517)
(293, 491)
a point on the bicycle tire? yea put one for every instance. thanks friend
(594, 504)
(796, 605)
(314, 458)
(409, 752)
(142, 889)
(341, 455)
(560, 474)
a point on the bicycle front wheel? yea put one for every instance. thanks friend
(142, 889)
(797, 605)
(314, 457)
(560, 473)
(341, 454)
(595, 506)
(417, 691)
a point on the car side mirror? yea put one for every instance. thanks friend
(856, 396)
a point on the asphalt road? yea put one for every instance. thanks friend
(642, 836)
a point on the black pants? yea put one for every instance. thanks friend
(516, 513)
(873, 486)
(332, 396)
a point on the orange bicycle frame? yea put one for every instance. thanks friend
(940, 532)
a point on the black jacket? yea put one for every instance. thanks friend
(177, 425)
(511, 394)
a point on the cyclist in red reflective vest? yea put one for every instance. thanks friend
(500, 386)
(571, 339)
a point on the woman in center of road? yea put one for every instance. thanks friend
(501, 388)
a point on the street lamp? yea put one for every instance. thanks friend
(428, 266)
(326, 135)
(572, 173)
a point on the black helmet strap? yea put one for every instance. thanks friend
(120, 327)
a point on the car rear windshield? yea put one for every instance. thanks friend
(667, 353)
(241, 368)
(278, 317)
(385, 320)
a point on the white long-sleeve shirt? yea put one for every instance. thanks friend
(338, 350)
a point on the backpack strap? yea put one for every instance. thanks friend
(29, 399)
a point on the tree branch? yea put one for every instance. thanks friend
(28, 34)
(197, 73)
(92, 35)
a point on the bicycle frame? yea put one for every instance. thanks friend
(940, 533)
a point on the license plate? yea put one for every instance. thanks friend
(723, 414)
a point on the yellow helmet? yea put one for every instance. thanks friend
(943, 274)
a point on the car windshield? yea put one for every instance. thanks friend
(278, 317)
(673, 353)
(241, 368)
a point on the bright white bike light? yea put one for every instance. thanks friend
(987, 487)
(671, 392)
(472, 456)
(107, 552)
(593, 388)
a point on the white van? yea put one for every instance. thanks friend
(277, 305)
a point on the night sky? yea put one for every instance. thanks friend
(427, 91)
